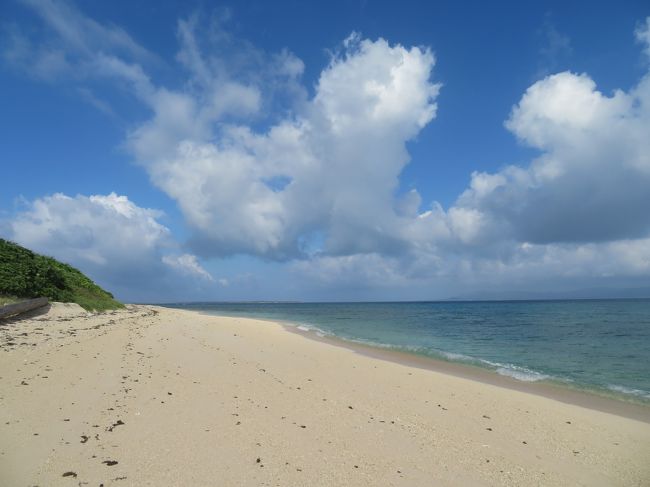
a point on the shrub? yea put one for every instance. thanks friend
(26, 274)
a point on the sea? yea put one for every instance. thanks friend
(600, 346)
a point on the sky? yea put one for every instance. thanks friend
(335, 151)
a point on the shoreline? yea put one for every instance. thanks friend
(561, 393)
(558, 392)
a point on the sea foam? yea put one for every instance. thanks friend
(521, 373)
(629, 390)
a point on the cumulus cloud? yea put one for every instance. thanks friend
(261, 165)
(579, 209)
(331, 167)
(95, 229)
(321, 178)
(325, 178)
(591, 181)
(118, 243)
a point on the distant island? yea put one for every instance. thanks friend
(25, 274)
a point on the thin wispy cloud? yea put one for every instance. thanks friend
(555, 48)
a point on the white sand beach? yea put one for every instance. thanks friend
(156, 396)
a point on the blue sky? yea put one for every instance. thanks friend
(348, 150)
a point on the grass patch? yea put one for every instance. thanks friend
(4, 300)
(25, 274)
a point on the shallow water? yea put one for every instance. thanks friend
(599, 345)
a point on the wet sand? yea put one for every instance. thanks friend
(629, 409)
(155, 396)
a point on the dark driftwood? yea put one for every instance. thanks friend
(22, 307)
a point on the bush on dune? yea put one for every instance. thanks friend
(25, 274)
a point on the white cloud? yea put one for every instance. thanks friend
(576, 212)
(116, 242)
(210, 80)
(96, 229)
(82, 34)
(259, 167)
(642, 34)
(590, 182)
(556, 48)
(43, 62)
(75, 48)
(372, 86)
(331, 167)
(370, 269)
(453, 272)
(99, 104)
(187, 264)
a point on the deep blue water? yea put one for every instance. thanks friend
(600, 345)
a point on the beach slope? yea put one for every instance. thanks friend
(156, 396)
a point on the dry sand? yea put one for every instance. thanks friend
(154, 396)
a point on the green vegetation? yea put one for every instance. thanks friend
(8, 299)
(25, 274)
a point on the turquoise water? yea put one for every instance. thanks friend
(600, 345)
